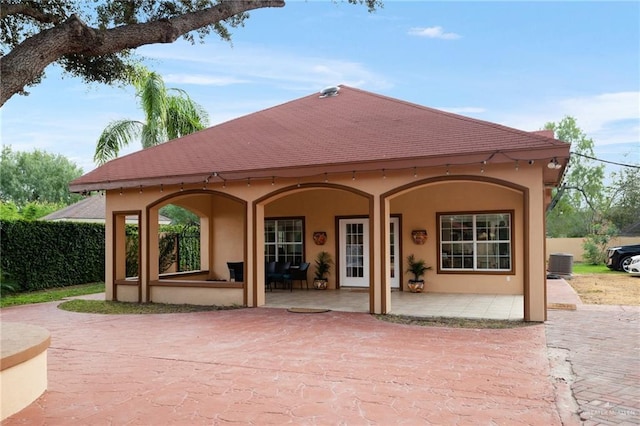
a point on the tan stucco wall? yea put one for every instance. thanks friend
(127, 293)
(227, 235)
(573, 246)
(419, 210)
(197, 295)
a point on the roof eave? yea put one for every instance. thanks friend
(552, 177)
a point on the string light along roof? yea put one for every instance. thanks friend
(333, 131)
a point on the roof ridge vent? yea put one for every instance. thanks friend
(329, 91)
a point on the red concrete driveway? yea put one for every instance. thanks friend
(268, 366)
(597, 348)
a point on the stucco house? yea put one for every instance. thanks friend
(365, 169)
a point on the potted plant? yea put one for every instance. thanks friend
(323, 266)
(417, 267)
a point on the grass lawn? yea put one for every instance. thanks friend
(49, 295)
(454, 322)
(118, 308)
(585, 268)
(96, 306)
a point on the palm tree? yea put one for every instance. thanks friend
(169, 114)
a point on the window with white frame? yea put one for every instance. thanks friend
(284, 240)
(475, 242)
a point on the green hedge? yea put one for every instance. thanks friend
(38, 255)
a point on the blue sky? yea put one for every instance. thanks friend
(520, 64)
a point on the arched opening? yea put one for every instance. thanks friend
(475, 237)
(298, 223)
(179, 245)
(199, 272)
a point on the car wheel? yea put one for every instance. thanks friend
(624, 264)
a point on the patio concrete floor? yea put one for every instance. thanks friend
(487, 306)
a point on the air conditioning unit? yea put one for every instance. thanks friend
(560, 264)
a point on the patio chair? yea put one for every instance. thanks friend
(281, 275)
(269, 272)
(300, 274)
(236, 271)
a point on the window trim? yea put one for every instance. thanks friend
(304, 234)
(512, 243)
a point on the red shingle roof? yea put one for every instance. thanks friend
(351, 129)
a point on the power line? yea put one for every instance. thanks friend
(634, 166)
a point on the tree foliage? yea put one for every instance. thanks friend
(586, 207)
(624, 194)
(581, 197)
(584, 176)
(30, 211)
(36, 176)
(169, 114)
(595, 244)
(180, 215)
(95, 40)
(9, 211)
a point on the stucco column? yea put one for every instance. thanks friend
(536, 262)
(254, 296)
(376, 256)
(385, 227)
(110, 265)
(154, 247)
(149, 250)
(206, 246)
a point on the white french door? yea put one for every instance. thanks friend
(394, 250)
(354, 252)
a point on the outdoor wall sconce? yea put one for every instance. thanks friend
(419, 236)
(553, 164)
(319, 237)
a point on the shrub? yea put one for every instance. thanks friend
(595, 244)
(6, 284)
(38, 255)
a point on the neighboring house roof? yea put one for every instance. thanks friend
(314, 134)
(89, 209)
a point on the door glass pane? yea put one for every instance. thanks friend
(355, 250)
(392, 248)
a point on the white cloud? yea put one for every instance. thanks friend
(264, 65)
(599, 111)
(433, 32)
(463, 110)
(607, 118)
(201, 79)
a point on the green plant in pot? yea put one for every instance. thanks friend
(417, 267)
(323, 266)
